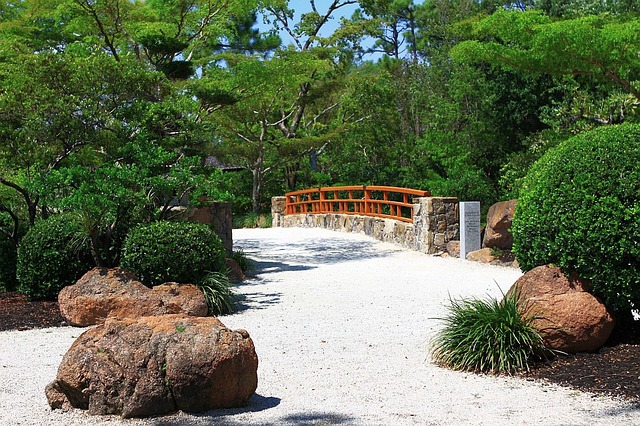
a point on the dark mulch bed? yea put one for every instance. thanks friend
(614, 370)
(18, 313)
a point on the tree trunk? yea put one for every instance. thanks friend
(257, 189)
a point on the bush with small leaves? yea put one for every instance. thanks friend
(488, 336)
(579, 208)
(54, 253)
(182, 252)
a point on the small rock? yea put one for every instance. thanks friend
(483, 256)
(235, 271)
(453, 248)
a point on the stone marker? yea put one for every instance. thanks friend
(469, 227)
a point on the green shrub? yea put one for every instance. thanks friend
(487, 336)
(579, 208)
(8, 259)
(52, 255)
(164, 251)
(217, 292)
(252, 220)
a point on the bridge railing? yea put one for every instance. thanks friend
(379, 201)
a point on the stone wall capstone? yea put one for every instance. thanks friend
(278, 210)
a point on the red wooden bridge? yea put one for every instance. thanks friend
(379, 201)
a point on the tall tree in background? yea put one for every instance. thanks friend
(270, 113)
(589, 60)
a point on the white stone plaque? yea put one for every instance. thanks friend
(469, 227)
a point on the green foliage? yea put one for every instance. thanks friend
(217, 292)
(448, 170)
(7, 263)
(602, 46)
(488, 336)
(52, 255)
(580, 209)
(165, 251)
(252, 220)
(514, 170)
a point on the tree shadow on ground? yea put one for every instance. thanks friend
(255, 300)
(273, 256)
(270, 266)
(316, 251)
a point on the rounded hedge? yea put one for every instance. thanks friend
(51, 256)
(579, 208)
(164, 251)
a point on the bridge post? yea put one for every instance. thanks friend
(436, 222)
(278, 210)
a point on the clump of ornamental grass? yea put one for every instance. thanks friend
(488, 336)
(218, 294)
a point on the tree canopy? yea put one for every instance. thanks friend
(114, 109)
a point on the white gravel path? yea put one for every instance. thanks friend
(341, 324)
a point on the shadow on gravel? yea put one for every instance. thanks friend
(317, 419)
(256, 300)
(309, 252)
(256, 404)
(298, 419)
(265, 267)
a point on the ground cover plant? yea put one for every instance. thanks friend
(488, 336)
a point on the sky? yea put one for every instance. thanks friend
(304, 6)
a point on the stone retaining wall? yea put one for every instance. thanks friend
(218, 216)
(435, 223)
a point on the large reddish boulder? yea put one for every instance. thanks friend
(568, 317)
(497, 233)
(115, 292)
(139, 367)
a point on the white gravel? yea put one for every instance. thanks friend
(341, 324)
